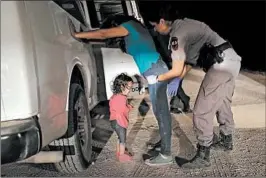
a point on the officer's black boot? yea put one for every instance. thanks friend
(175, 111)
(185, 100)
(175, 105)
(187, 106)
(225, 142)
(201, 160)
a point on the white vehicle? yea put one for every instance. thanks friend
(50, 81)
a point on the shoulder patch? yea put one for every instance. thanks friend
(174, 43)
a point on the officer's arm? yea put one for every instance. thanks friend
(179, 69)
(187, 68)
(178, 66)
(103, 33)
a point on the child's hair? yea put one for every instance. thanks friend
(120, 81)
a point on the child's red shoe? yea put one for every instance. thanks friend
(126, 152)
(125, 158)
(129, 153)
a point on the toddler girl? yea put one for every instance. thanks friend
(119, 111)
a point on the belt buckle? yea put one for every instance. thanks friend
(221, 54)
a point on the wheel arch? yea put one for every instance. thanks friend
(79, 74)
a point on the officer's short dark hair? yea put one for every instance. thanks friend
(165, 11)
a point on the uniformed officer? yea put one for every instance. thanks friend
(180, 102)
(221, 64)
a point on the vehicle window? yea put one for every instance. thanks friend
(72, 8)
(100, 9)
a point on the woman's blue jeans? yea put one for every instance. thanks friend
(160, 106)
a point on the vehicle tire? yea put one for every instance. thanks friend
(77, 143)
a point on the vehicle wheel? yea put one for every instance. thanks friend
(77, 143)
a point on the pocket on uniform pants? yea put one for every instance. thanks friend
(208, 90)
(212, 94)
(210, 82)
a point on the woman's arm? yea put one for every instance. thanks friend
(103, 33)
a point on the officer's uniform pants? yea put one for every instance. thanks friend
(214, 99)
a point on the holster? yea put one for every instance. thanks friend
(210, 55)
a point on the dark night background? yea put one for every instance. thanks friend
(241, 22)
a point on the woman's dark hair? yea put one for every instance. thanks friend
(120, 81)
(165, 11)
(115, 21)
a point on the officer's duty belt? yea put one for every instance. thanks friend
(224, 46)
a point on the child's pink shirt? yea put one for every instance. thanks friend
(119, 109)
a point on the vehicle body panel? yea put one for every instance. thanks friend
(37, 59)
(116, 62)
(19, 95)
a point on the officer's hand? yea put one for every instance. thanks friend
(173, 86)
(152, 79)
